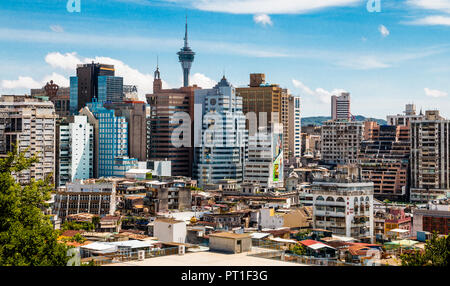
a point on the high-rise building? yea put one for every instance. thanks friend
(186, 57)
(29, 124)
(60, 96)
(110, 89)
(220, 135)
(113, 138)
(76, 150)
(340, 106)
(295, 127)
(164, 105)
(84, 87)
(264, 164)
(341, 141)
(136, 113)
(268, 100)
(384, 160)
(430, 157)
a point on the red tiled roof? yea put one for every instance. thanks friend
(308, 242)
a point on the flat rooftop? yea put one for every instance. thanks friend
(207, 258)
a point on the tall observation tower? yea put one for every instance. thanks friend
(186, 57)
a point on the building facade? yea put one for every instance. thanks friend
(84, 87)
(340, 107)
(30, 124)
(295, 127)
(75, 150)
(79, 197)
(430, 157)
(344, 207)
(113, 138)
(341, 141)
(270, 105)
(60, 96)
(384, 160)
(220, 135)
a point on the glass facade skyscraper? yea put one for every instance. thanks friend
(113, 138)
(110, 89)
(73, 105)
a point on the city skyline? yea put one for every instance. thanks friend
(374, 59)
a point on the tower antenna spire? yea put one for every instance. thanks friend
(186, 33)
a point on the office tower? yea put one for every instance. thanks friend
(341, 141)
(135, 113)
(220, 135)
(60, 96)
(295, 127)
(430, 157)
(84, 87)
(384, 160)
(164, 104)
(29, 124)
(340, 107)
(113, 138)
(268, 100)
(110, 89)
(96, 198)
(76, 150)
(186, 57)
(264, 164)
(404, 119)
(344, 204)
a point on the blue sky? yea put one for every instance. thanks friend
(314, 48)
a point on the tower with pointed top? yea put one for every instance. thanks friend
(157, 82)
(186, 57)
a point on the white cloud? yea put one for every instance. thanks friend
(57, 28)
(26, 82)
(363, 63)
(383, 30)
(202, 81)
(431, 21)
(21, 82)
(434, 93)
(263, 19)
(68, 63)
(437, 5)
(321, 94)
(264, 6)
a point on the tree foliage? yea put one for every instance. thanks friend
(26, 234)
(436, 253)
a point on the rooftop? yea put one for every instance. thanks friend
(230, 235)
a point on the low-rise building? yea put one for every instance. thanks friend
(169, 230)
(230, 242)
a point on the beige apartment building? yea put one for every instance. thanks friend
(30, 124)
(430, 157)
(341, 141)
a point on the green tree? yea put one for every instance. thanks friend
(299, 249)
(26, 234)
(303, 234)
(436, 253)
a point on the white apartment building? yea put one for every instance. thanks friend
(340, 107)
(76, 150)
(264, 165)
(341, 141)
(29, 124)
(295, 127)
(344, 207)
(430, 157)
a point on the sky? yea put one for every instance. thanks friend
(385, 57)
